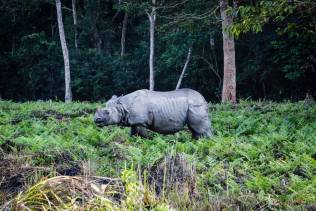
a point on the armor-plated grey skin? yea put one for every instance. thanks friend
(162, 112)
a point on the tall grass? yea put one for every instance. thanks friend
(261, 157)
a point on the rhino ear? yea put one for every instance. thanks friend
(112, 101)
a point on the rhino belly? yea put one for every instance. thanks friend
(169, 118)
(166, 127)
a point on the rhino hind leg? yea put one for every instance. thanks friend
(199, 122)
(139, 131)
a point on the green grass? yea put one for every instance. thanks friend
(261, 157)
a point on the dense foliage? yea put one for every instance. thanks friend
(261, 157)
(275, 63)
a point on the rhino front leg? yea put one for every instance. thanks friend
(139, 131)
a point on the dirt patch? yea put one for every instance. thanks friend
(63, 162)
(44, 115)
(57, 115)
(174, 172)
(16, 172)
(9, 146)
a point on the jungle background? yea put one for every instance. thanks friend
(275, 48)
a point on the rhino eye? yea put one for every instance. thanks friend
(107, 112)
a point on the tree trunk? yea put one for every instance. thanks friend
(184, 69)
(68, 94)
(152, 21)
(152, 52)
(124, 25)
(74, 13)
(97, 42)
(94, 13)
(229, 79)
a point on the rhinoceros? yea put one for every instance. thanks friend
(162, 112)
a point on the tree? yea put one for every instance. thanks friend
(68, 94)
(184, 68)
(152, 21)
(93, 7)
(229, 78)
(124, 26)
(74, 13)
(123, 36)
(253, 15)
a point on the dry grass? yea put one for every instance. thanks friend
(16, 174)
(70, 192)
(174, 173)
(88, 193)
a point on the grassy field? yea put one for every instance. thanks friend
(262, 156)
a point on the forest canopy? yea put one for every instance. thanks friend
(275, 45)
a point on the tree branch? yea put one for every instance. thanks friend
(184, 68)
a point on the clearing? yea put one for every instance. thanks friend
(261, 157)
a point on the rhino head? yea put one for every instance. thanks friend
(110, 115)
